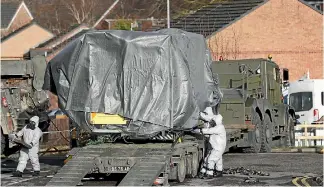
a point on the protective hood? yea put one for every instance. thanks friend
(35, 119)
(208, 114)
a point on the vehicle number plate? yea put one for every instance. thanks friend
(120, 168)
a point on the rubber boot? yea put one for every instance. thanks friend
(201, 175)
(218, 173)
(209, 176)
(17, 174)
(36, 173)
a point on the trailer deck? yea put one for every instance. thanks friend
(142, 163)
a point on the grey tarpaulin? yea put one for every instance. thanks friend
(160, 80)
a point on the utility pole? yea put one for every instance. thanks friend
(168, 7)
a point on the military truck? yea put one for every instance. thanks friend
(253, 102)
(22, 95)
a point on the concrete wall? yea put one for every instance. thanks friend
(288, 30)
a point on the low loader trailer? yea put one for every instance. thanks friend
(163, 158)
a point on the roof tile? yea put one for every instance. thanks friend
(215, 16)
(8, 10)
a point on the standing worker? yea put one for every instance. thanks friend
(217, 139)
(31, 135)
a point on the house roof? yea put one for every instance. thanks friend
(8, 10)
(62, 36)
(216, 16)
(17, 31)
(312, 4)
(65, 42)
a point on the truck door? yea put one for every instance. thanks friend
(303, 104)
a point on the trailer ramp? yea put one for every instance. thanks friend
(144, 172)
(73, 172)
(146, 161)
(151, 160)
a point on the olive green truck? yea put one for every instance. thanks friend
(253, 103)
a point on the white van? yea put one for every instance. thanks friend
(307, 97)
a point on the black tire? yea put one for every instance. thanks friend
(289, 139)
(3, 143)
(200, 158)
(266, 143)
(255, 136)
(188, 165)
(181, 169)
(195, 164)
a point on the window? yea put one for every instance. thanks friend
(322, 98)
(301, 101)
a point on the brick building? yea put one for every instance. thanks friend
(290, 30)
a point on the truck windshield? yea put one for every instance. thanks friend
(301, 101)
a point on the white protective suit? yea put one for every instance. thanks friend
(32, 138)
(217, 140)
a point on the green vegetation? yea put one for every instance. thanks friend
(122, 24)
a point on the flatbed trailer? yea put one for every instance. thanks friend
(144, 164)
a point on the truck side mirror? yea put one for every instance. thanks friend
(285, 73)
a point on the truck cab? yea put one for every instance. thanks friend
(253, 102)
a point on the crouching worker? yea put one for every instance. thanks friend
(217, 139)
(31, 135)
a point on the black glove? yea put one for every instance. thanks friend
(28, 146)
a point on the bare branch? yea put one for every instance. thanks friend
(80, 10)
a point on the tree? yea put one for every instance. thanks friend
(81, 10)
(225, 45)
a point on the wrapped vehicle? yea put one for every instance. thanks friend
(134, 84)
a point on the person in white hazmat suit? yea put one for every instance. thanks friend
(31, 135)
(217, 139)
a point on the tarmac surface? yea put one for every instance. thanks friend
(285, 169)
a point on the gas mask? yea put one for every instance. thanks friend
(31, 125)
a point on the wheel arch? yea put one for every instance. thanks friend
(267, 112)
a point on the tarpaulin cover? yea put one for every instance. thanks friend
(160, 80)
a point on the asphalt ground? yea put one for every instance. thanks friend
(285, 169)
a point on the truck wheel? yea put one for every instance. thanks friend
(266, 135)
(188, 165)
(200, 158)
(181, 169)
(289, 139)
(194, 164)
(255, 136)
(3, 143)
